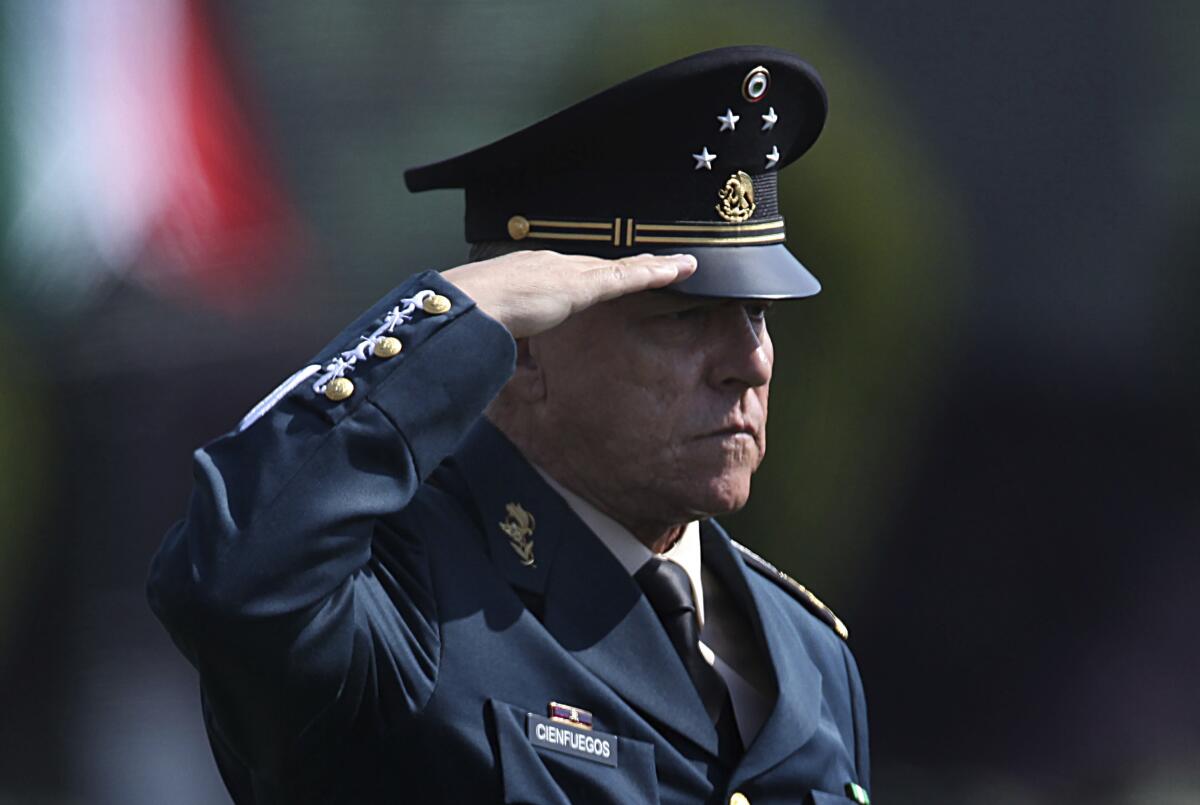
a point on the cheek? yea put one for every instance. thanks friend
(655, 386)
(638, 419)
(608, 393)
(763, 395)
(640, 411)
(630, 396)
(763, 392)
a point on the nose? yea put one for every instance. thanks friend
(741, 349)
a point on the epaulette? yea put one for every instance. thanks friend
(797, 590)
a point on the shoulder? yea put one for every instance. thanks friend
(794, 588)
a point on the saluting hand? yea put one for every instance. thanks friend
(530, 292)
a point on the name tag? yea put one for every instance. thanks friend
(587, 744)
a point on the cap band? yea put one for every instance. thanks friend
(629, 232)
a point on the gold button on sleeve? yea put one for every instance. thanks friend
(436, 305)
(339, 389)
(518, 227)
(387, 347)
(739, 798)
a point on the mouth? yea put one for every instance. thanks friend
(732, 431)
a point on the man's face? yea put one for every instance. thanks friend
(656, 404)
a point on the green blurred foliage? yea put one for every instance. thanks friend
(1169, 162)
(25, 448)
(24, 455)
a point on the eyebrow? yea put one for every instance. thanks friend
(683, 302)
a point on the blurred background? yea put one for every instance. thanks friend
(984, 447)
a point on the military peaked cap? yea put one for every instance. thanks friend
(684, 158)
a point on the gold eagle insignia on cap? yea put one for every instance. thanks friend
(736, 198)
(519, 525)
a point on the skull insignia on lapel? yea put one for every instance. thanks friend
(519, 527)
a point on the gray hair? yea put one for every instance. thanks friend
(505, 411)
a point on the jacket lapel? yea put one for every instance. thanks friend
(590, 605)
(797, 709)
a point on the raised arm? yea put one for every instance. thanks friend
(266, 585)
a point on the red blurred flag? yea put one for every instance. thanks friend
(134, 152)
(224, 223)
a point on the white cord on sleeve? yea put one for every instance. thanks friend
(343, 363)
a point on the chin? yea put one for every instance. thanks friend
(724, 494)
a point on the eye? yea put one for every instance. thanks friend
(757, 311)
(686, 314)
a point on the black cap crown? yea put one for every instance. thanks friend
(682, 158)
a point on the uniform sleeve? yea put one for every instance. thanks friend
(268, 585)
(858, 708)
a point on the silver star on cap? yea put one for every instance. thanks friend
(773, 157)
(729, 120)
(769, 119)
(704, 159)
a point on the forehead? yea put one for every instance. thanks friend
(656, 302)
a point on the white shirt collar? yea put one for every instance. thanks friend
(751, 708)
(631, 552)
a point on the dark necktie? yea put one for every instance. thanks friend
(669, 590)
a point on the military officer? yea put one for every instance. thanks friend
(468, 554)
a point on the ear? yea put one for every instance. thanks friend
(528, 382)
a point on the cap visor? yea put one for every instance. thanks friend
(747, 272)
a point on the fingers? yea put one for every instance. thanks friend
(530, 292)
(615, 278)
